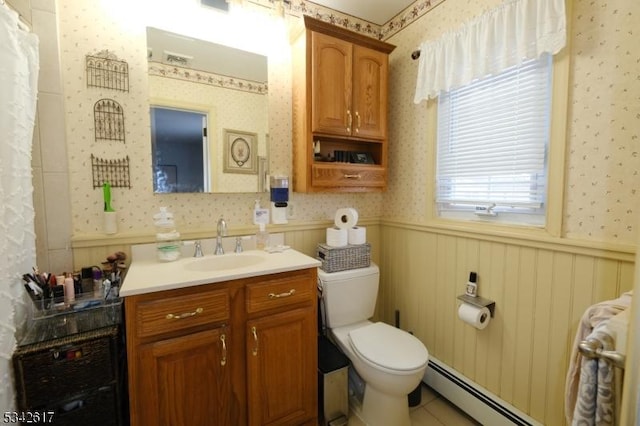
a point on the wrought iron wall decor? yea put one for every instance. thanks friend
(109, 120)
(116, 172)
(105, 70)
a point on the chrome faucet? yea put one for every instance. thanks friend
(238, 245)
(222, 232)
(198, 249)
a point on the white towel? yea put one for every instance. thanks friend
(586, 377)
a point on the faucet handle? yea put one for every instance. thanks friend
(238, 245)
(198, 249)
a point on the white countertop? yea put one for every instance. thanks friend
(150, 275)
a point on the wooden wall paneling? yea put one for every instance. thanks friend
(410, 318)
(559, 333)
(403, 262)
(625, 277)
(449, 300)
(524, 337)
(606, 275)
(428, 259)
(496, 327)
(509, 311)
(425, 265)
(445, 281)
(541, 328)
(386, 293)
(483, 343)
(582, 292)
(470, 333)
(462, 276)
(306, 241)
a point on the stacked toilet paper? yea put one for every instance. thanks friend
(345, 230)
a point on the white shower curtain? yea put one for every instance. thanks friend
(18, 93)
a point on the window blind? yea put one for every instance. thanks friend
(493, 138)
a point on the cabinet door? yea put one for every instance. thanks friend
(185, 381)
(331, 85)
(369, 93)
(282, 368)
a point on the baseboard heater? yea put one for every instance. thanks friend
(471, 398)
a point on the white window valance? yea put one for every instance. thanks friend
(498, 39)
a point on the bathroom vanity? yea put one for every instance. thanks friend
(224, 340)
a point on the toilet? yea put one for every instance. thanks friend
(391, 362)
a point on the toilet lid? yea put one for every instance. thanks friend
(389, 347)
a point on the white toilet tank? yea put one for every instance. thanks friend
(349, 296)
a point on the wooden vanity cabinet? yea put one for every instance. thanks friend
(240, 352)
(281, 324)
(340, 89)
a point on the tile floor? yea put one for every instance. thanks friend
(434, 410)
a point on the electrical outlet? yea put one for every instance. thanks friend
(291, 210)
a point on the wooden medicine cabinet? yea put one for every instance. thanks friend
(340, 87)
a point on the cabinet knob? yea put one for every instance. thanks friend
(349, 121)
(347, 176)
(357, 129)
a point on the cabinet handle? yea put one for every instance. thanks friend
(223, 361)
(255, 339)
(285, 294)
(349, 121)
(185, 315)
(357, 122)
(346, 176)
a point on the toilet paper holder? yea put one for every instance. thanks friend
(480, 302)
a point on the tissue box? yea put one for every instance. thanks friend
(351, 256)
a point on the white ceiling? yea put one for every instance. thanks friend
(376, 11)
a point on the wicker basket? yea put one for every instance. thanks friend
(351, 256)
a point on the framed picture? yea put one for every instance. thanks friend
(361, 157)
(240, 152)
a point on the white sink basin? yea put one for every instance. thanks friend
(224, 262)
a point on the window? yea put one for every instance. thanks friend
(492, 146)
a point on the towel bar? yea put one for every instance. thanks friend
(592, 348)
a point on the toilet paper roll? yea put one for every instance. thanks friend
(346, 218)
(357, 235)
(474, 315)
(110, 223)
(337, 237)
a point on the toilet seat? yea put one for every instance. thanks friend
(388, 348)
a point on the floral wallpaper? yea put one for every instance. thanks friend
(601, 201)
(602, 182)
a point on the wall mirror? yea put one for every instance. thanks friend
(209, 115)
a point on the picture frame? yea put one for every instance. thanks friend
(361, 157)
(240, 152)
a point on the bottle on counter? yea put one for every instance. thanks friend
(168, 242)
(97, 283)
(69, 290)
(262, 237)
